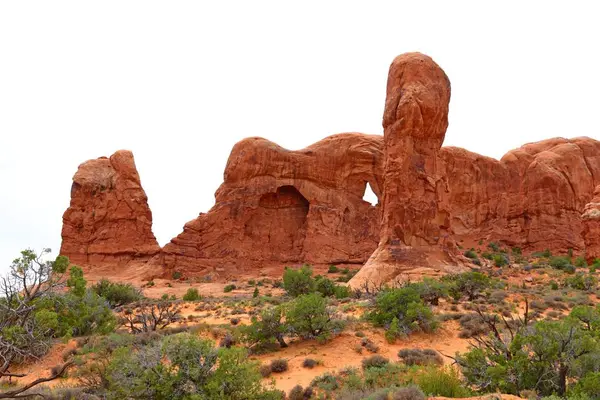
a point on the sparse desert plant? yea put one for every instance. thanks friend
(420, 357)
(374, 361)
(147, 316)
(309, 363)
(279, 365)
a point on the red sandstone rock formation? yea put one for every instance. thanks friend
(591, 227)
(532, 198)
(109, 221)
(414, 122)
(281, 206)
(277, 206)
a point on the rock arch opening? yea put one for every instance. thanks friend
(280, 222)
(369, 195)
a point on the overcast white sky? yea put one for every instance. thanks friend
(179, 83)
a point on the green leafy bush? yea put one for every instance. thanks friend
(308, 317)
(186, 367)
(406, 305)
(265, 329)
(229, 288)
(297, 282)
(117, 294)
(472, 284)
(191, 295)
(333, 269)
(442, 382)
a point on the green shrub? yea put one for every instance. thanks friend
(265, 329)
(325, 286)
(229, 288)
(308, 317)
(562, 263)
(341, 292)
(297, 282)
(472, 284)
(406, 305)
(494, 246)
(581, 281)
(580, 262)
(117, 294)
(333, 269)
(181, 362)
(430, 290)
(471, 254)
(500, 260)
(542, 254)
(191, 295)
(442, 382)
(309, 363)
(393, 332)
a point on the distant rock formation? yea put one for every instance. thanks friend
(278, 207)
(591, 227)
(108, 221)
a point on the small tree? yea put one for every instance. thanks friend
(117, 294)
(297, 282)
(308, 317)
(472, 284)
(406, 305)
(23, 336)
(268, 327)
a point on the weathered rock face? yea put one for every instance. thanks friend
(281, 206)
(414, 122)
(532, 198)
(591, 227)
(278, 207)
(108, 220)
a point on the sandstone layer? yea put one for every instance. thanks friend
(108, 221)
(591, 227)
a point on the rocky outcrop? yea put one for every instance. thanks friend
(108, 220)
(532, 198)
(278, 207)
(282, 206)
(591, 227)
(413, 227)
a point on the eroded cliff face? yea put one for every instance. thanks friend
(108, 221)
(532, 198)
(281, 207)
